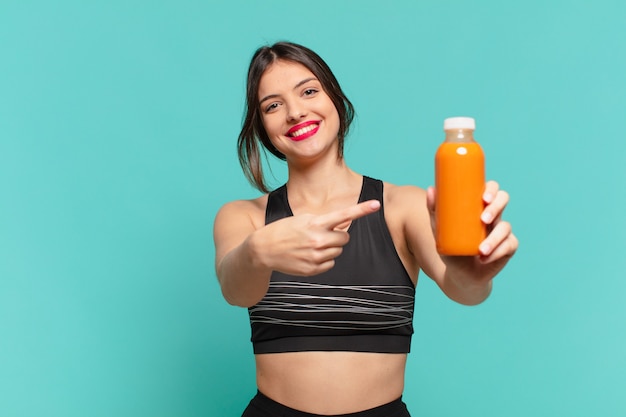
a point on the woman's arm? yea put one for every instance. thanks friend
(464, 279)
(243, 279)
(247, 251)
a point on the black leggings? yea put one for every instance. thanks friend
(262, 406)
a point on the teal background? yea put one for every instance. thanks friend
(118, 124)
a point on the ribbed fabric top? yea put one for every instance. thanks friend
(363, 304)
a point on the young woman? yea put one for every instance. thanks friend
(327, 264)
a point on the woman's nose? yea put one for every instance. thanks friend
(295, 112)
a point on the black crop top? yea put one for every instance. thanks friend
(363, 304)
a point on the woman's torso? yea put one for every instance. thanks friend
(337, 382)
(331, 382)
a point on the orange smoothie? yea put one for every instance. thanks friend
(459, 183)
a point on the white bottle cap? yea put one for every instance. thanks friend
(459, 123)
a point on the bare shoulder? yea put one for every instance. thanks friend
(404, 197)
(250, 212)
(405, 209)
(235, 221)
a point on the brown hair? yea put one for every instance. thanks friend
(253, 132)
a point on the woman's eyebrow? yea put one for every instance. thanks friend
(299, 84)
(306, 80)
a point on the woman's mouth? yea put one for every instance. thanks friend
(303, 130)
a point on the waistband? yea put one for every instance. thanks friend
(395, 408)
(379, 343)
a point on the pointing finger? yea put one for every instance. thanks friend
(346, 215)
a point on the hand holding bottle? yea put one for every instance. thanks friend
(466, 212)
(500, 240)
(472, 275)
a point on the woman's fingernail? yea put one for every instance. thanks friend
(486, 217)
(487, 197)
(484, 248)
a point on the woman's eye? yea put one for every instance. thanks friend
(271, 107)
(310, 91)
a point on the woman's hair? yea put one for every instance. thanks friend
(253, 131)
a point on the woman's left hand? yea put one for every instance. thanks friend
(497, 248)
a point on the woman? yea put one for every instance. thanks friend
(327, 264)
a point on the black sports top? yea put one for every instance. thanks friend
(363, 304)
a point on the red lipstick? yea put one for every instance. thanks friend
(303, 130)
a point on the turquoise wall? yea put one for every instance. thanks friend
(118, 122)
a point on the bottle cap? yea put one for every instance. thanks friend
(459, 123)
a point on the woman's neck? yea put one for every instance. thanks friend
(323, 187)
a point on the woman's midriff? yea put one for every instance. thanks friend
(331, 382)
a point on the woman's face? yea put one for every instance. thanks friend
(299, 117)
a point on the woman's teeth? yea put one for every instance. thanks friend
(302, 131)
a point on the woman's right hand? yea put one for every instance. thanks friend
(307, 244)
(246, 253)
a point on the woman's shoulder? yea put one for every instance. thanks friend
(403, 202)
(258, 203)
(252, 210)
(403, 194)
